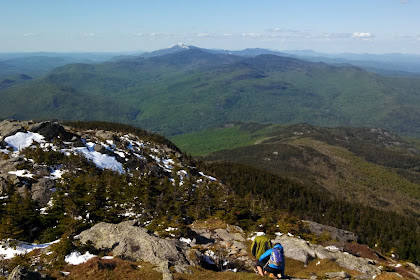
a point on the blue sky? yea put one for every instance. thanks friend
(360, 26)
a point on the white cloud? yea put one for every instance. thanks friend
(205, 34)
(89, 35)
(362, 35)
(337, 35)
(403, 1)
(138, 34)
(156, 34)
(30, 34)
(252, 35)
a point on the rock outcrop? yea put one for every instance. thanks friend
(335, 233)
(132, 242)
(23, 273)
(301, 250)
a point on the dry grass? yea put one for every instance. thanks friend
(200, 274)
(389, 276)
(315, 267)
(209, 224)
(113, 269)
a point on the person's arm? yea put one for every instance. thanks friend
(265, 255)
(254, 248)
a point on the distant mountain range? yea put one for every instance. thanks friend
(184, 89)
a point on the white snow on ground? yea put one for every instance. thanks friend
(170, 229)
(332, 248)
(76, 258)
(21, 248)
(22, 140)
(121, 154)
(169, 163)
(208, 177)
(22, 173)
(101, 160)
(50, 204)
(56, 174)
(182, 175)
(278, 233)
(185, 240)
(4, 151)
(107, 258)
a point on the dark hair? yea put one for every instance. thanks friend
(262, 228)
(278, 243)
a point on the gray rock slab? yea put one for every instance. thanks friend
(132, 242)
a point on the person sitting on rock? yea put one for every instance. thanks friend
(272, 262)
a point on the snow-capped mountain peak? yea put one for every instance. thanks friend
(180, 46)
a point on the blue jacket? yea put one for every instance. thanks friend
(265, 257)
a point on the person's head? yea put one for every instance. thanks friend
(277, 244)
(262, 229)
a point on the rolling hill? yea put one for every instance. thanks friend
(194, 89)
(361, 165)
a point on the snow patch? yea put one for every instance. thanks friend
(22, 173)
(56, 174)
(185, 240)
(75, 258)
(208, 177)
(22, 140)
(332, 248)
(100, 160)
(21, 248)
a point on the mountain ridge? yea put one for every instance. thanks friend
(63, 181)
(158, 93)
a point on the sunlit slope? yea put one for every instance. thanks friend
(191, 90)
(370, 166)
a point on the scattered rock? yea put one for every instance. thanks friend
(10, 127)
(41, 191)
(99, 148)
(23, 273)
(51, 130)
(340, 275)
(3, 185)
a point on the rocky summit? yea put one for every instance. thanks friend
(96, 199)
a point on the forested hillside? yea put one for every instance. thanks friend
(375, 227)
(194, 89)
(60, 183)
(370, 166)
